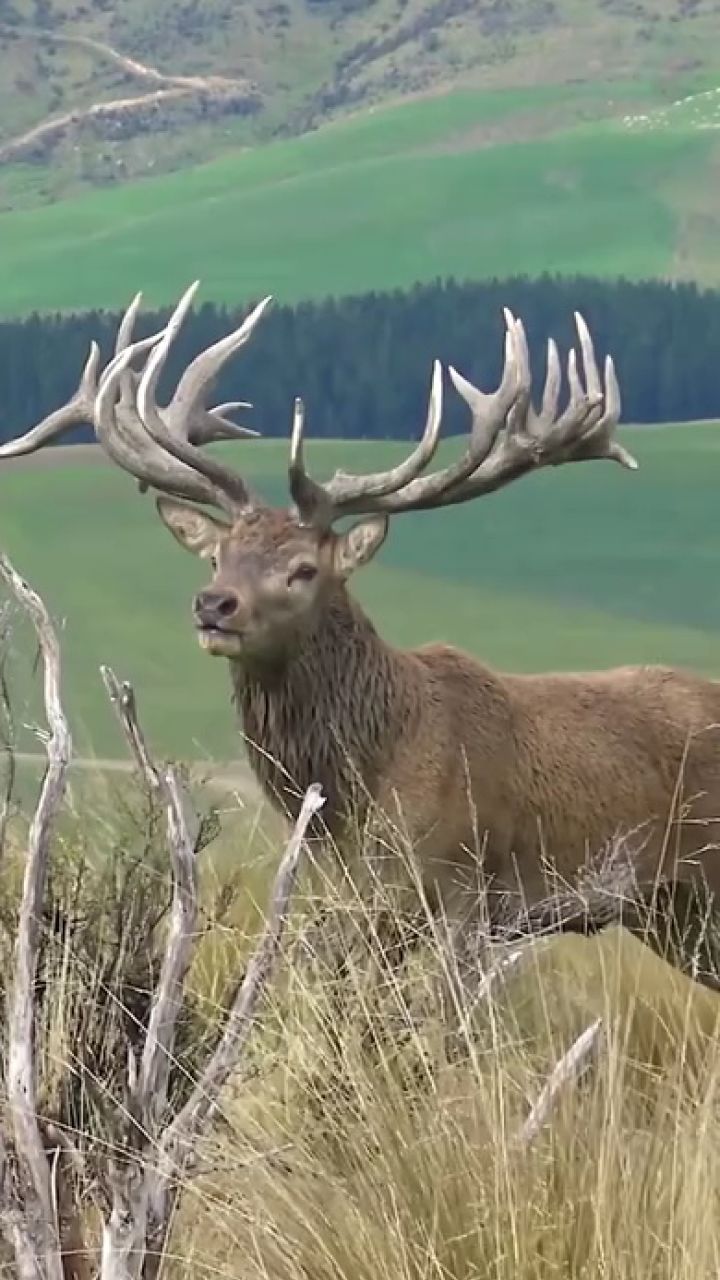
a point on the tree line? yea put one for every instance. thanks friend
(362, 364)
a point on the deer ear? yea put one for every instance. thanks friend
(358, 545)
(195, 530)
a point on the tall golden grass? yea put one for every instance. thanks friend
(375, 1131)
(356, 1155)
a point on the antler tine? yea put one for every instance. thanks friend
(124, 334)
(598, 440)
(309, 497)
(519, 432)
(123, 340)
(616, 451)
(78, 410)
(585, 430)
(557, 439)
(490, 411)
(577, 390)
(200, 375)
(613, 399)
(489, 414)
(229, 406)
(344, 486)
(516, 327)
(203, 425)
(403, 486)
(297, 439)
(214, 425)
(206, 426)
(592, 375)
(553, 382)
(229, 489)
(125, 439)
(81, 407)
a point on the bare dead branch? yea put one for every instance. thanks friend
(565, 1071)
(7, 734)
(145, 1190)
(150, 1088)
(175, 1155)
(125, 1233)
(183, 828)
(144, 1186)
(17, 1226)
(198, 1109)
(34, 1170)
(122, 697)
(485, 990)
(69, 1174)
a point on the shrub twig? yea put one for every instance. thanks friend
(39, 1232)
(565, 1071)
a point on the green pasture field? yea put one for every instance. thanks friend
(470, 184)
(585, 566)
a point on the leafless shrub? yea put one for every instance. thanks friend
(132, 1157)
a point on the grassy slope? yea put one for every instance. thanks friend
(311, 58)
(588, 566)
(383, 200)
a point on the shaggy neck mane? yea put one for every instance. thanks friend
(330, 713)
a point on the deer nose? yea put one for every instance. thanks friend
(214, 606)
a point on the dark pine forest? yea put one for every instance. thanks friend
(362, 364)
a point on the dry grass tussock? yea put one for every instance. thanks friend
(375, 1126)
(355, 1155)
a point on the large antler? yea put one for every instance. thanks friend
(157, 445)
(166, 456)
(508, 437)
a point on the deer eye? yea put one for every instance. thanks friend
(303, 573)
(213, 563)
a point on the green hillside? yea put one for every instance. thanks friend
(99, 93)
(384, 200)
(587, 566)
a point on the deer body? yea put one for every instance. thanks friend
(462, 760)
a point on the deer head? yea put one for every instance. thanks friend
(273, 571)
(271, 575)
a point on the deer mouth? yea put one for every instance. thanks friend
(219, 642)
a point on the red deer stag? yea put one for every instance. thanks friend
(543, 766)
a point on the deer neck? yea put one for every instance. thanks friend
(331, 712)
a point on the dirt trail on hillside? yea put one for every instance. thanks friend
(142, 70)
(171, 87)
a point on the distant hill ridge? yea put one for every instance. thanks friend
(119, 87)
(315, 147)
